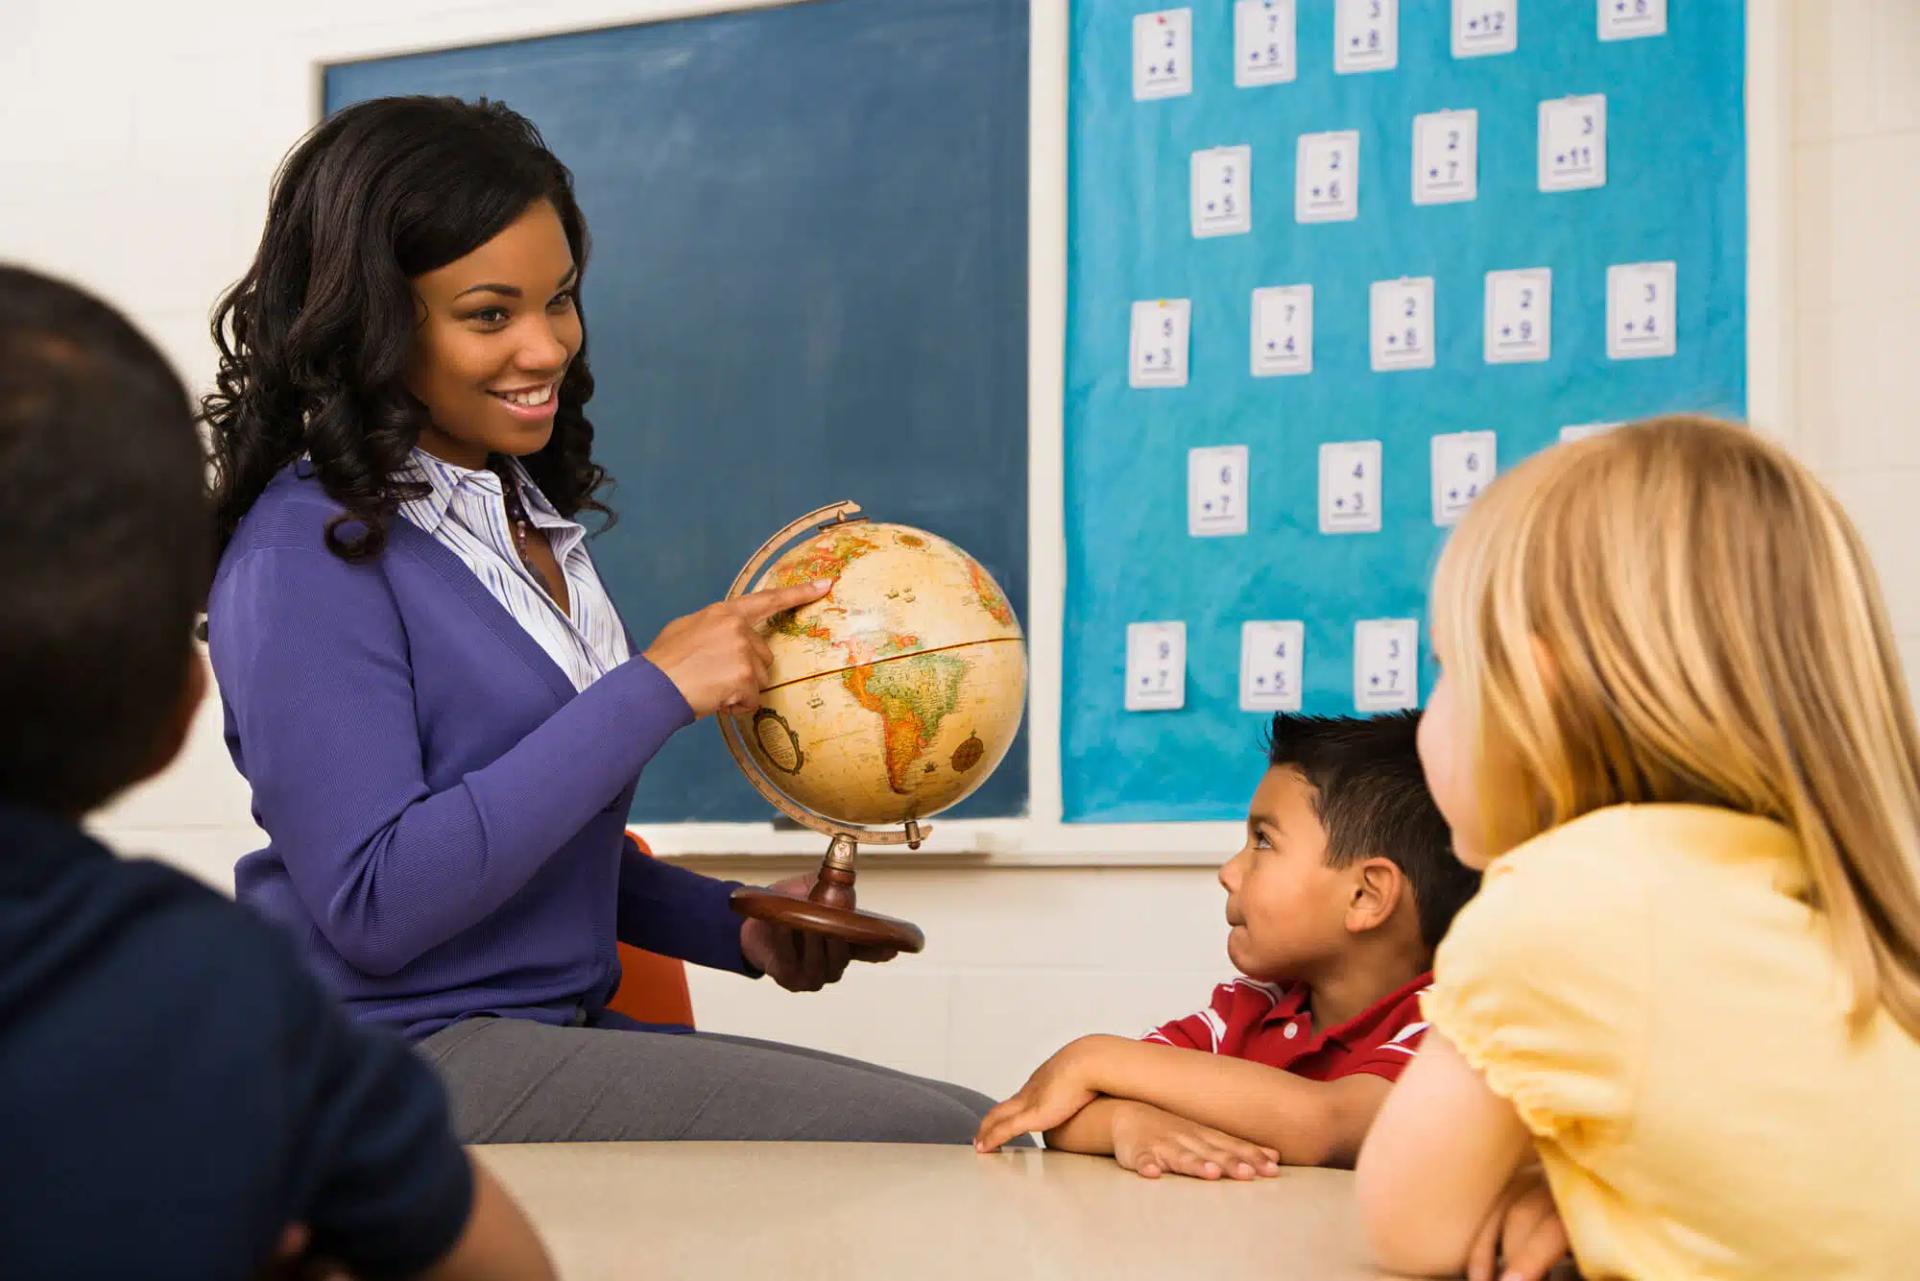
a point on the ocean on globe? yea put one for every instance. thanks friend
(896, 694)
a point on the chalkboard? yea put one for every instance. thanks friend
(808, 282)
(1644, 198)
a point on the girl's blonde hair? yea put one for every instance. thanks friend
(1679, 611)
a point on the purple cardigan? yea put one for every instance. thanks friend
(446, 815)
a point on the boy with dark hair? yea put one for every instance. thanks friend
(1336, 901)
(178, 1098)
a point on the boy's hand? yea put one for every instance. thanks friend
(1524, 1232)
(1057, 1090)
(1151, 1141)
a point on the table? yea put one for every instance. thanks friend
(852, 1211)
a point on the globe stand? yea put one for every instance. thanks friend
(829, 909)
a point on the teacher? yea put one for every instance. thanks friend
(438, 709)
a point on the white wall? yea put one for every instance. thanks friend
(1856, 282)
(138, 143)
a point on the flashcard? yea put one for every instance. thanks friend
(1464, 464)
(1386, 664)
(1366, 35)
(1631, 19)
(1271, 665)
(1481, 27)
(1156, 666)
(1350, 487)
(1446, 157)
(1222, 191)
(1327, 177)
(1573, 143)
(1217, 491)
(1640, 310)
(1159, 349)
(1519, 315)
(1402, 326)
(1162, 54)
(1282, 330)
(1580, 431)
(1263, 42)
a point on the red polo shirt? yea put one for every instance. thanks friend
(1269, 1023)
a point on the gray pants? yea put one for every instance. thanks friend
(517, 1081)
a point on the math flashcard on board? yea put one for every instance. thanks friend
(1221, 180)
(1272, 657)
(1282, 330)
(1156, 666)
(1217, 491)
(1163, 54)
(1386, 664)
(1573, 143)
(1350, 487)
(1519, 318)
(1464, 463)
(1366, 35)
(1264, 42)
(1326, 171)
(1482, 27)
(1632, 19)
(1446, 157)
(1402, 325)
(1640, 315)
(1157, 354)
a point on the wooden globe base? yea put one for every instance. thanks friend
(829, 910)
(849, 924)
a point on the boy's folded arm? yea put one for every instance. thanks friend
(1307, 1122)
(1090, 1130)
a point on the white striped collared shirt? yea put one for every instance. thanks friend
(465, 512)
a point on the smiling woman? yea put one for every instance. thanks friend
(425, 682)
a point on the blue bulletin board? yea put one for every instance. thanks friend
(1643, 232)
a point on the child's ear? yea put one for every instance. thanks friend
(1378, 886)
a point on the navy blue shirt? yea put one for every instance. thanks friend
(175, 1090)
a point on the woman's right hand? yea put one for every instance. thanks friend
(717, 658)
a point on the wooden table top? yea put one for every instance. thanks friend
(850, 1211)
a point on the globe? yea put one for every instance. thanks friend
(895, 695)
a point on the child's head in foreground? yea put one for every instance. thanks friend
(105, 540)
(1678, 611)
(1345, 852)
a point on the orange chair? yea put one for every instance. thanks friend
(653, 988)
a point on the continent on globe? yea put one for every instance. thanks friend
(896, 694)
(988, 592)
(912, 697)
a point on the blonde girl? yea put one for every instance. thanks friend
(1678, 1026)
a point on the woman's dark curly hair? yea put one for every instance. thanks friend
(314, 339)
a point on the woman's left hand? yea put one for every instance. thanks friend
(798, 960)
